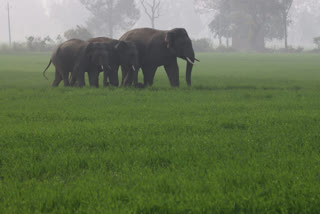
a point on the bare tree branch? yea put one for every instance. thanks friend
(145, 9)
(152, 10)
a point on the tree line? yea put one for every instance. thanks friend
(243, 24)
(249, 23)
(236, 24)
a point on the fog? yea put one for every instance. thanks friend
(40, 18)
(53, 17)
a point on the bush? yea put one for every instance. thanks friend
(4, 48)
(18, 47)
(202, 45)
(316, 41)
(15, 47)
(224, 49)
(39, 44)
(291, 49)
(316, 50)
(78, 33)
(32, 43)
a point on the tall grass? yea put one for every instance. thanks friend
(243, 139)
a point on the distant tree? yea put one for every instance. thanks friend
(152, 9)
(46, 43)
(78, 33)
(205, 6)
(109, 16)
(202, 45)
(221, 25)
(30, 40)
(248, 22)
(305, 18)
(285, 6)
(48, 39)
(39, 44)
(316, 41)
(59, 39)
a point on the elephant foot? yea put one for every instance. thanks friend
(139, 85)
(55, 84)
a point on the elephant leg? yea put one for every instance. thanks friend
(57, 79)
(148, 74)
(80, 79)
(105, 78)
(127, 76)
(78, 71)
(172, 71)
(113, 75)
(94, 78)
(145, 77)
(124, 74)
(65, 77)
(73, 79)
(135, 77)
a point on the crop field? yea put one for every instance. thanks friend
(243, 139)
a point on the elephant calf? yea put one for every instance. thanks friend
(124, 53)
(77, 57)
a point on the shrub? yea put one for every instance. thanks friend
(4, 48)
(40, 44)
(291, 49)
(78, 33)
(224, 49)
(202, 45)
(32, 43)
(316, 41)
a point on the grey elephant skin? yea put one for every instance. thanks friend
(77, 57)
(124, 53)
(159, 48)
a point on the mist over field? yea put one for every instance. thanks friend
(220, 117)
(53, 17)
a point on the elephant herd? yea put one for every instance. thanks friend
(143, 48)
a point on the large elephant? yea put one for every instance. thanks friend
(159, 48)
(124, 54)
(77, 57)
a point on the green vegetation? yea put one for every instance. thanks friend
(243, 139)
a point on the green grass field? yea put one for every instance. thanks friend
(243, 139)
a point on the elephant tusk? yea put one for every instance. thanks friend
(102, 67)
(189, 60)
(133, 68)
(109, 67)
(196, 59)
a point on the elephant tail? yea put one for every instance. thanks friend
(44, 72)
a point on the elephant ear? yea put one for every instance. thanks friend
(169, 39)
(89, 48)
(121, 46)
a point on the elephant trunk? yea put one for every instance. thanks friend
(188, 73)
(189, 56)
(190, 62)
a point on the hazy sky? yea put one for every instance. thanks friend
(33, 17)
(48, 17)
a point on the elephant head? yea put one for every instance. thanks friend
(178, 42)
(99, 54)
(96, 57)
(128, 54)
